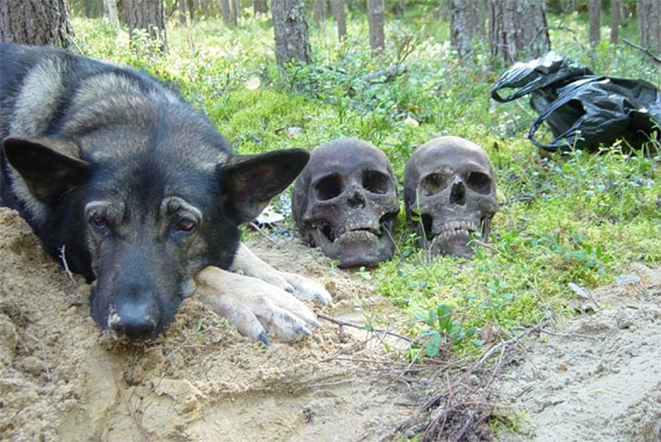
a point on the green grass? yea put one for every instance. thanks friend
(578, 218)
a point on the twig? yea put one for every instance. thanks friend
(63, 258)
(646, 51)
(342, 322)
(263, 233)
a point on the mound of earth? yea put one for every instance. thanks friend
(61, 379)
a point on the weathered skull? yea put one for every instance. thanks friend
(449, 183)
(345, 202)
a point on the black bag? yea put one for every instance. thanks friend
(582, 110)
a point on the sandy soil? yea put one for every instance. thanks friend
(597, 377)
(61, 380)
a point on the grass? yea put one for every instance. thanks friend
(579, 218)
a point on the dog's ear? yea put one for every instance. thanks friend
(250, 181)
(49, 166)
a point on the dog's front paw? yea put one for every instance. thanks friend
(306, 289)
(257, 309)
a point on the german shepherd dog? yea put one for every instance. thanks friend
(138, 192)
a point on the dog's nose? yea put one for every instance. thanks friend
(134, 320)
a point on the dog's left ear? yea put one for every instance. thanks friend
(250, 181)
(49, 166)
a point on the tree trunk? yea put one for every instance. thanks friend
(181, 6)
(191, 9)
(319, 12)
(227, 12)
(146, 15)
(594, 13)
(234, 13)
(337, 9)
(111, 10)
(36, 22)
(376, 24)
(615, 20)
(466, 22)
(517, 29)
(649, 23)
(261, 7)
(290, 29)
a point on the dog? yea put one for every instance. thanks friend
(134, 189)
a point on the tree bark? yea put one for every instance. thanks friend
(615, 20)
(649, 23)
(337, 9)
(181, 6)
(36, 22)
(261, 6)
(518, 29)
(319, 12)
(594, 14)
(376, 25)
(146, 15)
(466, 22)
(290, 29)
(113, 15)
(191, 9)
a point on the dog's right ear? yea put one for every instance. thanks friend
(49, 166)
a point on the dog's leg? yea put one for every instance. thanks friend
(246, 263)
(256, 308)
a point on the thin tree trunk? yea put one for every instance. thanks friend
(36, 22)
(261, 6)
(649, 23)
(594, 13)
(191, 9)
(146, 15)
(113, 16)
(518, 29)
(290, 28)
(376, 25)
(466, 22)
(181, 6)
(227, 12)
(337, 9)
(615, 20)
(319, 12)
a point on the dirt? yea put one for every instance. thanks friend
(597, 377)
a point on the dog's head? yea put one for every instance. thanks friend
(141, 225)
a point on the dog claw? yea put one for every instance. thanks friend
(264, 339)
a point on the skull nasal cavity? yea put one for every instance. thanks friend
(458, 194)
(356, 200)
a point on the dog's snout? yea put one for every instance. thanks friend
(134, 320)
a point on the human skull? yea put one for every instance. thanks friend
(345, 202)
(450, 184)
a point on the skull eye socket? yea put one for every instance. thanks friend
(479, 182)
(328, 187)
(376, 182)
(433, 183)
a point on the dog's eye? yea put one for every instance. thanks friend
(185, 225)
(98, 220)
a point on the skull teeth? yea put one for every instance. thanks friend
(457, 228)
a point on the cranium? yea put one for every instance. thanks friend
(345, 202)
(449, 183)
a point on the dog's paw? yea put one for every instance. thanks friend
(306, 289)
(257, 309)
